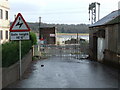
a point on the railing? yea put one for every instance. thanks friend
(63, 51)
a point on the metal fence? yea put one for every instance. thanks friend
(63, 51)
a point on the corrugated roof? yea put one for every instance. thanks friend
(105, 20)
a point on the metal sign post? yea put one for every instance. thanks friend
(20, 59)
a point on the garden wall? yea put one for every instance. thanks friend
(11, 74)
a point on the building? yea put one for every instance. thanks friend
(104, 39)
(48, 35)
(4, 21)
(60, 40)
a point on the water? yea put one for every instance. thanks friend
(68, 37)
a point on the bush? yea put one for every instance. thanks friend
(25, 47)
(10, 50)
(10, 53)
(33, 38)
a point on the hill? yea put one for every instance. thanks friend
(62, 28)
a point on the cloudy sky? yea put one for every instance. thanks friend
(59, 11)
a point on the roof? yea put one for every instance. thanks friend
(112, 18)
(114, 21)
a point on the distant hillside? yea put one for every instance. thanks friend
(62, 28)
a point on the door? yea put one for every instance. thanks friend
(100, 49)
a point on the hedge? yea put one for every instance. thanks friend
(33, 38)
(10, 50)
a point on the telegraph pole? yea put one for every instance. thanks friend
(77, 38)
(39, 33)
(77, 44)
(39, 27)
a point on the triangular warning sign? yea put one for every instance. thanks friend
(19, 25)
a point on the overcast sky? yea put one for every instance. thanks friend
(59, 11)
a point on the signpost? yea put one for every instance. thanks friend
(19, 31)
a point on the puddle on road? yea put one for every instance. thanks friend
(76, 60)
(29, 70)
(83, 61)
(42, 65)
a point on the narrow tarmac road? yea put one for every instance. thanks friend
(67, 72)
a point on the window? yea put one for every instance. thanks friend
(6, 34)
(6, 15)
(1, 14)
(1, 35)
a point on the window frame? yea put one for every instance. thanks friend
(6, 34)
(1, 35)
(1, 14)
(6, 15)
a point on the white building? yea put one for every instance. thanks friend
(4, 21)
(60, 41)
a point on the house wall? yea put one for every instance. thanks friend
(118, 44)
(112, 44)
(4, 23)
(111, 38)
(111, 50)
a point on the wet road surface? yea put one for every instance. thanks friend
(66, 72)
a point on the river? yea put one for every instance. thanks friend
(69, 36)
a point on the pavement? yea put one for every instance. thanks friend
(66, 72)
